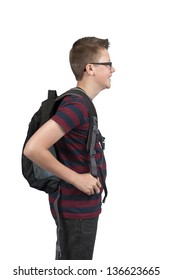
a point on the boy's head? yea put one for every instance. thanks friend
(85, 50)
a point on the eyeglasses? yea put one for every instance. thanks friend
(109, 63)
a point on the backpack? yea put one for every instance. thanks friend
(37, 177)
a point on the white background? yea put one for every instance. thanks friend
(135, 115)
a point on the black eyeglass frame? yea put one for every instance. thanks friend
(108, 63)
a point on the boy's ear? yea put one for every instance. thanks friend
(89, 69)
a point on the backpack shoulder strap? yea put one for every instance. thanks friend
(93, 130)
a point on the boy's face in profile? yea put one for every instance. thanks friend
(103, 73)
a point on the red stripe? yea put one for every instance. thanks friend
(80, 204)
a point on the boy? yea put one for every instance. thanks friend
(80, 193)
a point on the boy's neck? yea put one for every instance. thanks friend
(90, 92)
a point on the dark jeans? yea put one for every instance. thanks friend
(77, 239)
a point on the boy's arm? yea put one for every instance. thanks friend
(37, 150)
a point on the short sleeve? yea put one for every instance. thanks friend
(71, 113)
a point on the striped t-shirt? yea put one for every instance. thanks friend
(73, 116)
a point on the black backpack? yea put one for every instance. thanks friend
(37, 177)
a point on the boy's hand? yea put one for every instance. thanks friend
(87, 183)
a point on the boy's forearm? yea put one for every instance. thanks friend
(48, 162)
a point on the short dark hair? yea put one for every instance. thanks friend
(84, 51)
